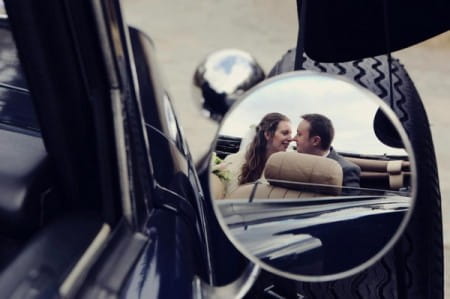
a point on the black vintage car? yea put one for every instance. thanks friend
(99, 196)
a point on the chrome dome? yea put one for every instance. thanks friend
(222, 77)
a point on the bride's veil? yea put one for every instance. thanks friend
(248, 137)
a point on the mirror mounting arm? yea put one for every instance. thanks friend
(235, 289)
(301, 12)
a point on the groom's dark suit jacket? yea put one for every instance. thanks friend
(351, 171)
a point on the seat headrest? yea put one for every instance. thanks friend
(303, 168)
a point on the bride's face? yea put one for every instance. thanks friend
(281, 138)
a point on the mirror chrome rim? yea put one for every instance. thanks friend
(400, 230)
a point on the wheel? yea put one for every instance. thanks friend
(413, 268)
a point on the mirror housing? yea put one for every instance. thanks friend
(303, 213)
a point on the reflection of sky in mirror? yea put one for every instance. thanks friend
(349, 108)
(228, 67)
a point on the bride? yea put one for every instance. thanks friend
(272, 134)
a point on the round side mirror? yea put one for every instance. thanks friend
(313, 177)
(222, 78)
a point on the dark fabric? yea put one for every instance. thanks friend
(347, 30)
(350, 170)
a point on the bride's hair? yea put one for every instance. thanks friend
(256, 155)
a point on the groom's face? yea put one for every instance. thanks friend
(305, 144)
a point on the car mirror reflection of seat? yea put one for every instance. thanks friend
(383, 174)
(294, 175)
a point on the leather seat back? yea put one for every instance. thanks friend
(284, 169)
(383, 174)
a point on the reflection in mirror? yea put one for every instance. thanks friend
(312, 176)
(222, 78)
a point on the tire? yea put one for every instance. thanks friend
(413, 268)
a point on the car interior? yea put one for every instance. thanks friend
(24, 189)
(35, 246)
(38, 246)
(27, 193)
(308, 170)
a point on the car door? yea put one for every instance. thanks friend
(129, 217)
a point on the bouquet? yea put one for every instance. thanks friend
(219, 168)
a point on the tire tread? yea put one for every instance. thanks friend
(413, 268)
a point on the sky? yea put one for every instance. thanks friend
(351, 109)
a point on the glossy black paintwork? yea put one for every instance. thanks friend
(177, 189)
(167, 266)
(312, 236)
(173, 170)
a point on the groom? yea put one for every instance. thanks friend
(314, 136)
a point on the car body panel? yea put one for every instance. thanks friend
(72, 91)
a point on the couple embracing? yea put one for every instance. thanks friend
(274, 134)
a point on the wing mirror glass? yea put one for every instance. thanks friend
(312, 176)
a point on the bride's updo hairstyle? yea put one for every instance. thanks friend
(256, 155)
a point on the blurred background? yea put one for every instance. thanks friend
(184, 32)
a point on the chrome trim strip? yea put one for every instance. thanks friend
(15, 88)
(135, 83)
(75, 277)
(116, 104)
(105, 43)
(119, 130)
